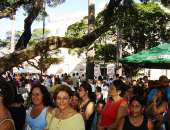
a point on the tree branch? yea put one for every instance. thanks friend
(51, 43)
(26, 35)
(11, 10)
(32, 64)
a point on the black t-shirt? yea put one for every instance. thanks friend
(129, 126)
(89, 122)
(18, 114)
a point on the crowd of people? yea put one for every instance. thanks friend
(72, 103)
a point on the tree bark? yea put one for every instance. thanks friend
(26, 35)
(11, 10)
(51, 43)
(91, 26)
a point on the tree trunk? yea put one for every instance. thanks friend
(55, 42)
(90, 57)
(26, 35)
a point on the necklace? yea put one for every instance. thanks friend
(59, 123)
(63, 114)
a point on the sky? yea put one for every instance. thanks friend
(59, 17)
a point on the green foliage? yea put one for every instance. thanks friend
(146, 25)
(105, 52)
(37, 35)
(11, 1)
(47, 59)
(140, 26)
(77, 29)
(42, 15)
(54, 3)
(3, 43)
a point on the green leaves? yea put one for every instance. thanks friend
(53, 3)
(105, 52)
(77, 29)
(146, 25)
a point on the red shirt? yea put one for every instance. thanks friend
(108, 116)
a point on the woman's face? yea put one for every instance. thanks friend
(37, 96)
(74, 101)
(112, 91)
(159, 94)
(135, 108)
(129, 93)
(82, 92)
(63, 100)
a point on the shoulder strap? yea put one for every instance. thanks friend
(85, 106)
(8, 119)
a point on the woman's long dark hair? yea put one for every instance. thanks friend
(47, 98)
(7, 91)
(88, 87)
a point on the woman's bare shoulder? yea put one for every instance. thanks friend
(7, 124)
(50, 109)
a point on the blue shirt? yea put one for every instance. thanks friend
(37, 123)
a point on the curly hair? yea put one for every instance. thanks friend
(47, 99)
(87, 87)
(120, 85)
(62, 88)
(7, 91)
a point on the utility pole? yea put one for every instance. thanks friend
(118, 53)
(91, 53)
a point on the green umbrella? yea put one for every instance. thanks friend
(156, 57)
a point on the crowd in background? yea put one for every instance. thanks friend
(70, 102)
